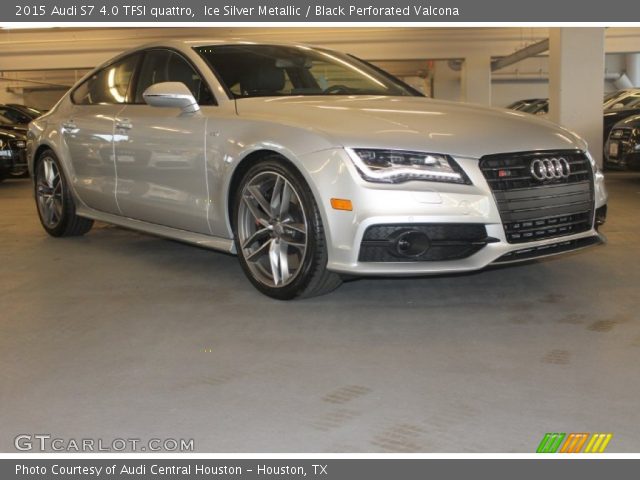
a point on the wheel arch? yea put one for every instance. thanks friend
(248, 161)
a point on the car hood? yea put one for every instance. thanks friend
(18, 129)
(630, 122)
(412, 123)
(12, 133)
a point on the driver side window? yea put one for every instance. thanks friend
(168, 66)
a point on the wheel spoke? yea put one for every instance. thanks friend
(263, 249)
(57, 207)
(49, 173)
(285, 200)
(289, 240)
(298, 227)
(276, 196)
(255, 211)
(255, 237)
(274, 261)
(283, 253)
(49, 211)
(257, 195)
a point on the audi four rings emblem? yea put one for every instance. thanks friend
(550, 168)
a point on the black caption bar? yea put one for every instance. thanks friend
(330, 469)
(251, 11)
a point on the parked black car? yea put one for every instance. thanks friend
(13, 154)
(17, 115)
(622, 149)
(522, 104)
(30, 111)
(620, 111)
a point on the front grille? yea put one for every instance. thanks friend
(622, 134)
(531, 209)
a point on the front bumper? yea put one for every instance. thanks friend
(423, 203)
(12, 160)
(622, 149)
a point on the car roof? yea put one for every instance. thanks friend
(188, 44)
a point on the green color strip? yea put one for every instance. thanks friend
(554, 448)
(543, 443)
(550, 442)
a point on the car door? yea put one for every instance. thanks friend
(87, 131)
(160, 152)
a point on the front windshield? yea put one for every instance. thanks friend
(270, 71)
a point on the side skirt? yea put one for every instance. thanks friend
(199, 239)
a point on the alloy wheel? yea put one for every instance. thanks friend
(49, 192)
(272, 229)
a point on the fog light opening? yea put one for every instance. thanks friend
(412, 244)
(601, 216)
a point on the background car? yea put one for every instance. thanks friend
(622, 149)
(629, 107)
(620, 98)
(13, 154)
(535, 106)
(18, 114)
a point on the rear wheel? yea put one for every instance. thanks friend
(56, 208)
(279, 233)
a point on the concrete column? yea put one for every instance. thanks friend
(576, 86)
(633, 68)
(476, 79)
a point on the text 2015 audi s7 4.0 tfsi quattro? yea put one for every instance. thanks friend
(308, 164)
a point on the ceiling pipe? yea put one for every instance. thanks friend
(527, 52)
(620, 79)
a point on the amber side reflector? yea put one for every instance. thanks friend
(341, 204)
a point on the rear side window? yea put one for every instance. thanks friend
(14, 116)
(168, 66)
(109, 85)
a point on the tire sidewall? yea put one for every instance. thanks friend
(314, 228)
(68, 207)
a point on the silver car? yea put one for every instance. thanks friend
(309, 165)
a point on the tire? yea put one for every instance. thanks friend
(56, 208)
(281, 245)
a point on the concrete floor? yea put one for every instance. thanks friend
(122, 335)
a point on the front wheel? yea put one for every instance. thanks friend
(279, 233)
(56, 208)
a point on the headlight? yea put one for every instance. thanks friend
(398, 166)
(20, 144)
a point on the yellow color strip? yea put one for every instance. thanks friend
(596, 445)
(590, 444)
(607, 439)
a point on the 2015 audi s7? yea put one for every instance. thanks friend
(308, 164)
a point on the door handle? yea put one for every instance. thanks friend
(124, 124)
(70, 126)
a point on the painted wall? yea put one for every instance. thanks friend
(526, 79)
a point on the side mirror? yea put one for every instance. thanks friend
(171, 94)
